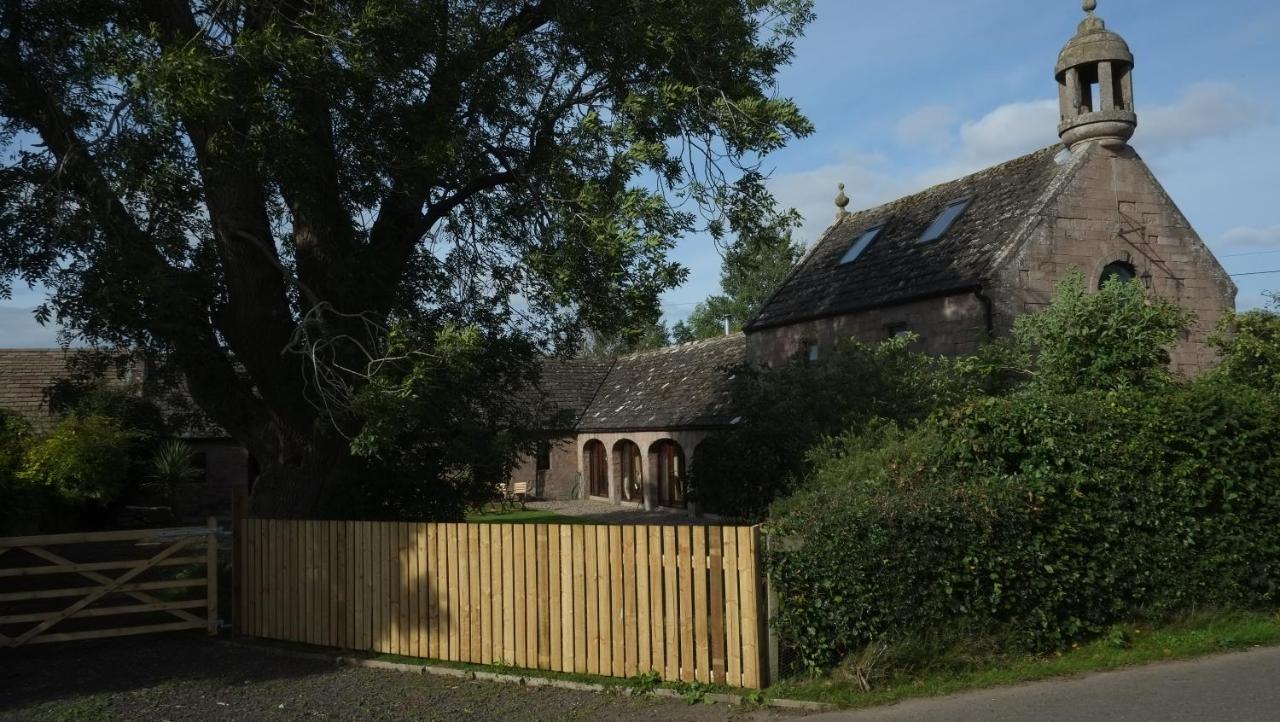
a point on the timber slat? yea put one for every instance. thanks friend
(683, 601)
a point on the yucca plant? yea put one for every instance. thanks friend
(174, 463)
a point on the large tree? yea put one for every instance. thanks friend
(250, 187)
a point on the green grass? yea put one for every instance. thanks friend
(1123, 646)
(524, 516)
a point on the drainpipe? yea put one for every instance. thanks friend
(988, 308)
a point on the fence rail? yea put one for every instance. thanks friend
(682, 601)
(27, 585)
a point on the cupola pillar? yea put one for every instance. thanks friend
(1095, 85)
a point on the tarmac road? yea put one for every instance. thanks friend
(1238, 687)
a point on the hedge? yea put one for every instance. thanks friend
(1037, 518)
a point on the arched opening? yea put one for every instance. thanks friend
(666, 459)
(1121, 270)
(595, 467)
(628, 471)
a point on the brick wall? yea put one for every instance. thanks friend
(556, 482)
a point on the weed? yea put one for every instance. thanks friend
(644, 683)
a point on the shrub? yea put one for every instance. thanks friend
(786, 412)
(1040, 519)
(84, 460)
(1249, 343)
(18, 498)
(1095, 488)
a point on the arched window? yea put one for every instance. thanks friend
(666, 459)
(627, 469)
(1121, 270)
(595, 467)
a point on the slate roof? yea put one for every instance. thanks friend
(26, 374)
(685, 386)
(895, 268)
(571, 385)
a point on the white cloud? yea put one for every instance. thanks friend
(1204, 110)
(930, 126)
(813, 192)
(1246, 239)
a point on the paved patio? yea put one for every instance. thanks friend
(606, 513)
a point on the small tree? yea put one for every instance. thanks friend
(1116, 337)
(1250, 346)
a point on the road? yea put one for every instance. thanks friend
(1239, 687)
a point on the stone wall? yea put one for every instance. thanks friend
(948, 325)
(557, 482)
(1115, 210)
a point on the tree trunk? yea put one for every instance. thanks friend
(306, 478)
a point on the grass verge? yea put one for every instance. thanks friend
(1122, 646)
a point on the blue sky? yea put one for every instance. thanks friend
(909, 93)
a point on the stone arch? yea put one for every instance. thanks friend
(628, 471)
(669, 472)
(595, 468)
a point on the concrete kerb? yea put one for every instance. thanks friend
(526, 680)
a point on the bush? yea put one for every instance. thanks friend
(1095, 488)
(786, 412)
(84, 460)
(1249, 343)
(1040, 519)
(18, 498)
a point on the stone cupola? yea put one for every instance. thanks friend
(1095, 85)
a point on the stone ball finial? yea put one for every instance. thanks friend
(842, 201)
(1090, 6)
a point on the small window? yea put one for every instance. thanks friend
(811, 353)
(894, 330)
(945, 219)
(544, 456)
(200, 466)
(860, 245)
(1125, 272)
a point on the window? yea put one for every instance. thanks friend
(860, 245)
(945, 219)
(811, 353)
(894, 330)
(200, 465)
(544, 456)
(1125, 272)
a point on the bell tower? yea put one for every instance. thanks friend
(1095, 85)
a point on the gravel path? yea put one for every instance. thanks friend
(186, 677)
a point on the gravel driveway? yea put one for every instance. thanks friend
(187, 677)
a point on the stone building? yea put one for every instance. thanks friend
(954, 264)
(962, 260)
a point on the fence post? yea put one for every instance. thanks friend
(239, 512)
(771, 613)
(211, 569)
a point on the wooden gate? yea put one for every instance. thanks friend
(156, 568)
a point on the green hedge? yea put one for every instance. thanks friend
(1036, 518)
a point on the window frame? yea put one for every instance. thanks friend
(860, 244)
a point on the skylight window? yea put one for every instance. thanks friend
(860, 245)
(943, 222)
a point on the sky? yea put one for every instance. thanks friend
(910, 93)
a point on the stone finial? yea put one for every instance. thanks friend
(842, 203)
(1090, 6)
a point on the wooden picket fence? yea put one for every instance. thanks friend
(143, 569)
(617, 600)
